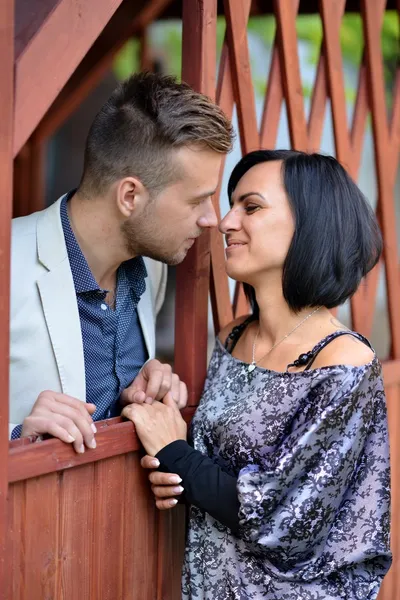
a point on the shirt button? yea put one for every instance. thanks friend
(103, 306)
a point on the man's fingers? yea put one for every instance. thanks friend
(80, 422)
(166, 383)
(175, 388)
(85, 409)
(159, 478)
(166, 504)
(154, 383)
(183, 395)
(166, 491)
(169, 401)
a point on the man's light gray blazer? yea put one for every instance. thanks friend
(46, 350)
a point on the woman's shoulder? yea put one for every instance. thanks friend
(227, 330)
(344, 350)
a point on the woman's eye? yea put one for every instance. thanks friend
(250, 208)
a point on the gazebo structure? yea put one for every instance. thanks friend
(85, 526)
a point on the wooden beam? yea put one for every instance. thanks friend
(30, 458)
(51, 55)
(6, 179)
(191, 321)
(129, 20)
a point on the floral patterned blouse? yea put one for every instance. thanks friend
(310, 453)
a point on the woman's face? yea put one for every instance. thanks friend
(259, 226)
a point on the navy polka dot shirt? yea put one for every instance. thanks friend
(113, 345)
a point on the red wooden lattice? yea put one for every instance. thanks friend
(235, 87)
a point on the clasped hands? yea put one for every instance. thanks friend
(158, 425)
(70, 419)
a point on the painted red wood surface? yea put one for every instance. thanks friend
(86, 526)
(6, 136)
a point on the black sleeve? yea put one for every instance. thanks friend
(206, 485)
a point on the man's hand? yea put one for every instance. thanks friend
(164, 485)
(63, 417)
(157, 424)
(153, 382)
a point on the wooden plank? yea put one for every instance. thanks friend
(219, 285)
(372, 13)
(6, 174)
(316, 119)
(331, 14)
(108, 534)
(191, 305)
(140, 518)
(53, 455)
(290, 71)
(236, 14)
(30, 458)
(78, 498)
(29, 178)
(41, 538)
(16, 540)
(57, 47)
(274, 96)
(171, 551)
(391, 588)
(129, 20)
(391, 372)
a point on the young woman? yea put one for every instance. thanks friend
(287, 473)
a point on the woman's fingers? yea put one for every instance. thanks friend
(166, 491)
(166, 504)
(160, 478)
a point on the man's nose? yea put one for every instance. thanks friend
(209, 218)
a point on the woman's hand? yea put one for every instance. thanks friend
(165, 486)
(157, 424)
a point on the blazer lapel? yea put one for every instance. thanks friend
(57, 293)
(147, 319)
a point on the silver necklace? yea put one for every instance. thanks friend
(254, 363)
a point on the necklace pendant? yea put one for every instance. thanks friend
(251, 367)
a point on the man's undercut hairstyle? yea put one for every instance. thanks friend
(336, 241)
(145, 119)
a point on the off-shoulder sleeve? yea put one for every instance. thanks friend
(324, 498)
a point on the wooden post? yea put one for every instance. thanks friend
(192, 285)
(6, 169)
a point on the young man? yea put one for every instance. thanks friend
(83, 298)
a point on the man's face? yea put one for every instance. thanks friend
(172, 220)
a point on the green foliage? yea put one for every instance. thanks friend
(167, 43)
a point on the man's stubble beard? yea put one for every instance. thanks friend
(144, 238)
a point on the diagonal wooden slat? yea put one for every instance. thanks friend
(236, 22)
(219, 286)
(69, 33)
(273, 104)
(331, 14)
(318, 106)
(129, 20)
(290, 69)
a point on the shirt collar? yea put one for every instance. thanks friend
(134, 269)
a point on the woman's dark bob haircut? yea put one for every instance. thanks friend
(336, 241)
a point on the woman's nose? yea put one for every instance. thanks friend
(230, 222)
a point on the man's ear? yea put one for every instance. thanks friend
(131, 194)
